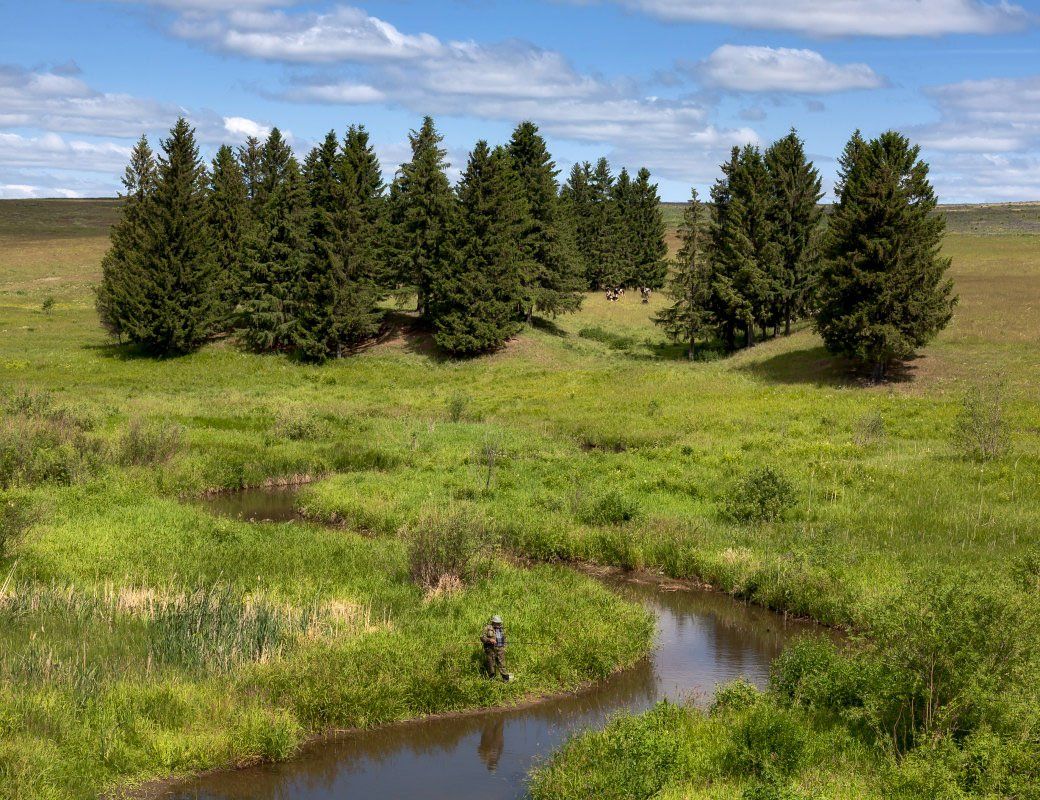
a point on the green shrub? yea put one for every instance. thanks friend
(458, 404)
(771, 788)
(766, 740)
(46, 449)
(763, 495)
(449, 547)
(16, 517)
(982, 431)
(611, 507)
(145, 443)
(296, 426)
(736, 695)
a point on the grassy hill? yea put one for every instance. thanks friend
(608, 447)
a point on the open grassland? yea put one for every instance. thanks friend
(587, 437)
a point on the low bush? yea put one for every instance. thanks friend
(458, 405)
(982, 431)
(146, 443)
(46, 449)
(611, 507)
(765, 741)
(16, 517)
(763, 495)
(297, 426)
(447, 547)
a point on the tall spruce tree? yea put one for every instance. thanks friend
(121, 270)
(423, 213)
(551, 281)
(474, 304)
(746, 256)
(277, 251)
(332, 308)
(623, 236)
(364, 218)
(650, 250)
(579, 208)
(795, 215)
(603, 253)
(229, 219)
(175, 304)
(883, 290)
(250, 157)
(690, 287)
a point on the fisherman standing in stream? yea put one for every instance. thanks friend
(494, 640)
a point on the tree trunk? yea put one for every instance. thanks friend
(787, 324)
(879, 371)
(692, 352)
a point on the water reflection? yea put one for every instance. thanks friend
(703, 639)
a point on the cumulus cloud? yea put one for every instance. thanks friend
(342, 34)
(53, 151)
(241, 128)
(998, 115)
(883, 18)
(766, 69)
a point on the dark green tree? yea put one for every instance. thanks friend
(603, 257)
(423, 213)
(474, 303)
(795, 215)
(175, 304)
(332, 309)
(649, 248)
(250, 158)
(579, 208)
(277, 252)
(883, 290)
(745, 254)
(121, 267)
(364, 214)
(229, 220)
(689, 316)
(622, 235)
(551, 281)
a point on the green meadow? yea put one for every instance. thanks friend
(140, 636)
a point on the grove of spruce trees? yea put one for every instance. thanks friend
(297, 258)
(872, 280)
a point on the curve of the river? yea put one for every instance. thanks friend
(703, 639)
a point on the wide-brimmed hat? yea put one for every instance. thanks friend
(496, 620)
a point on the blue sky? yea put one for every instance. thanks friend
(667, 84)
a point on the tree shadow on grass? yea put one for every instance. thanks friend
(815, 366)
(548, 326)
(124, 352)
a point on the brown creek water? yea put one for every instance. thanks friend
(703, 639)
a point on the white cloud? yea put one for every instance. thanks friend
(342, 34)
(25, 191)
(53, 151)
(241, 128)
(884, 18)
(767, 69)
(998, 115)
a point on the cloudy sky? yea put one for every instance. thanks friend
(669, 84)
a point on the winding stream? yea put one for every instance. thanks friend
(703, 639)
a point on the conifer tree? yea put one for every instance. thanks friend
(605, 267)
(883, 290)
(424, 208)
(623, 233)
(229, 221)
(277, 251)
(249, 158)
(121, 266)
(474, 303)
(332, 308)
(175, 304)
(579, 207)
(650, 250)
(795, 215)
(689, 315)
(364, 218)
(551, 281)
(745, 254)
